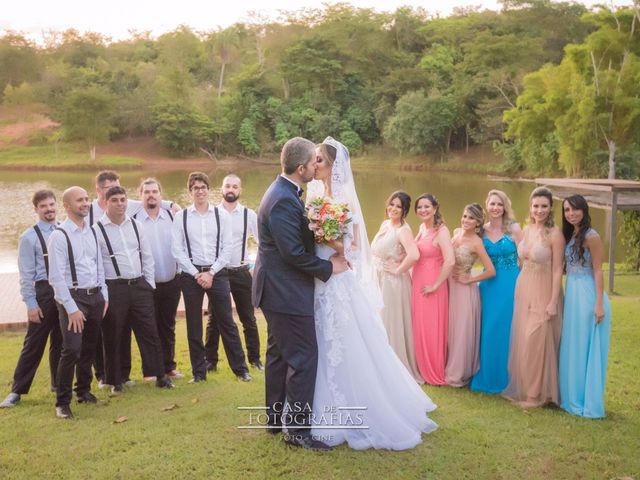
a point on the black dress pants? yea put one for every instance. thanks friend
(220, 302)
(78, 349)
(166, 298)
(35, 342)
(290, 371)
(130, 307)
(240, 284)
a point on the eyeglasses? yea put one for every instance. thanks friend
(199, 188)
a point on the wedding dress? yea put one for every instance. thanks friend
(364, 395)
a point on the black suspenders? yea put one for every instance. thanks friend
(91, 215)
(110, 249)
(186, 234)
(244, 234)
(72, 262)
(43, 244)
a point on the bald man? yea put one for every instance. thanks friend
(76, 274)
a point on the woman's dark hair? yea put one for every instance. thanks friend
(577, 250)
(438, 219)
(405, 202)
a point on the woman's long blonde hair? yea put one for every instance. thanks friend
(508, 217)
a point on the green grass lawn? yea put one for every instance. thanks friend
(62, 156)
(480, 436)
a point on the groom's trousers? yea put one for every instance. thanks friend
(290, 373)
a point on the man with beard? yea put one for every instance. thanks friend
(76, 275)
(103, 182)
(244, 222)
(130, 278)
(201, 243)
(42, 313)
(157, 222)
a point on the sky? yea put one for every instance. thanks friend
(116, 18)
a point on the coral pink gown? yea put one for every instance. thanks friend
(430, 313)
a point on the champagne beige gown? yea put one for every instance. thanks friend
(396, 295)
(535, 340)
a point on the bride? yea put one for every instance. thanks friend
(364, 395)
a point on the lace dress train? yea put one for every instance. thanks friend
(364, 395)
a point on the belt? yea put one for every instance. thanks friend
(237, 269)
(124, 281)
(203, 268)
(86, 291)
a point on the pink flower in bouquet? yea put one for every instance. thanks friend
(328, 220)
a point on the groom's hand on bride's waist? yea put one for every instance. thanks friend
(339, 263)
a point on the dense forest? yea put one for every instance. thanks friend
(553, 85)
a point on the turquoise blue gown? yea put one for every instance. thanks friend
(584, 345)
(496, 295)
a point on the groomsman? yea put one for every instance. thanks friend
(103, 182)
(201, 243)
(244, 223)
(129, 272)
(156, 223)
(42, 313)
(77, 277)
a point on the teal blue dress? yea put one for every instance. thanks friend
(584, 345)
(496, 295)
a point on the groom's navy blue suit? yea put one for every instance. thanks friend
(283, 287)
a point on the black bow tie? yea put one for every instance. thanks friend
(300, 192)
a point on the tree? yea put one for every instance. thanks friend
(87, 115)
(422, 124)
(182, 130)
(589, 102)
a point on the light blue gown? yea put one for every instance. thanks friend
(584, 345)
(496, 295)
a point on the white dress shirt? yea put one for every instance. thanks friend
(125, 248)
(203, 232)
(158, 233)
(237, 222)
(88, 262)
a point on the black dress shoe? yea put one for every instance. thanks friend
(274, 429)
(87, 397)
(64, 412)
(198, 379)
(305, 441)
(258, 365)
(117, 389)
(164, 383)
(244, 377)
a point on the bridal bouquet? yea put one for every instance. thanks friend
(328, 220)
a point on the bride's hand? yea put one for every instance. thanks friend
(337, 245)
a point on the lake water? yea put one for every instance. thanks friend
(374, 184)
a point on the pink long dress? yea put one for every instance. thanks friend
(430, 313)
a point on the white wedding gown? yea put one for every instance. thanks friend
(364, 395)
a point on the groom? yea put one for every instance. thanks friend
(283, 288)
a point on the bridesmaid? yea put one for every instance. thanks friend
(430, 295)
(537, 310)
(464, 297)
(586, 327)
(501, 237)
(394, 253)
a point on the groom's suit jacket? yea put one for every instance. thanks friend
(283, 279)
